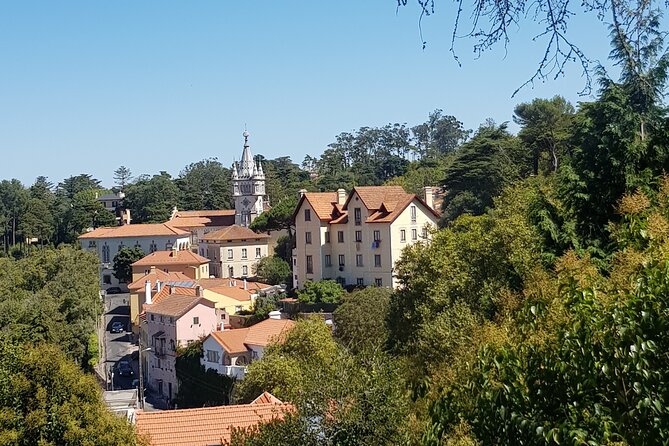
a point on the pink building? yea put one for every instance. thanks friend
(175, 319)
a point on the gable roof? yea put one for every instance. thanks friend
(203, 218)
(374, 196)
(322, 203)
(171, 257)
(158, 275)
(261, 334)
(176, 305)
(209, 425)
(233, 232)
(138, 230)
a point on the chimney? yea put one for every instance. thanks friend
(301, 193)
(245, 284)
(341, 196)
(198, 291)
(276, 314)
(171, 290)
(428, 196)
(159, 286)
(152, 270)
(174, 250)
(147, 292)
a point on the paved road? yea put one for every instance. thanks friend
(118, 346)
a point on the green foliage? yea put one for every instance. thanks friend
(47, 400)
(151, 200)
(426, 172)
(205, 185)
(51, 296)
(280, 216)
(483, 166)
(360, 320)
(326, 291)
(273, 270)
(92, 350)
(284, 248)
(123, 261)
(283, 179)
(197, 387)
(440, 135)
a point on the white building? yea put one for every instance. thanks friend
(233, 251)
(248, 187)
(107, 242)
(357, 238)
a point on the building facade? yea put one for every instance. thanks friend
(234, 251)
(107, 242)
(357, 238)
(248, 187)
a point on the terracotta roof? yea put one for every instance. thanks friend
(172, 257)
(225, 287)
(175, 305)
(207, 213)
(268, 331)
(266, 398)
(321, 202)
(374, 196)
(206, 426)
(139, 230)
(156, 275)
(261, 334)
(232, 341)
(233, 232)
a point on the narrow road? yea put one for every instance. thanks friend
(119, 346)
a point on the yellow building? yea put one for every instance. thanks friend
(357, 238)
(233, 251)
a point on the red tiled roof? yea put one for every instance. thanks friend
(139, 230)
(160, 275)
(232, 341)
(374, 196)
(321, 202)
(267, 331)
(266, 398)
(233, 232)
(176, 305)
(207, 426)
(172, 257)
(227, 287)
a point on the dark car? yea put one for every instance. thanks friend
(114, 290)
(124, 368)
(117, 327)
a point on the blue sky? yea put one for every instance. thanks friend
(155, 85)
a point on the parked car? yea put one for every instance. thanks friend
(117, 327)
(114, 290)
(124, 368)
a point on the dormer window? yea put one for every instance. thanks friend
(413, 214)
(358, 216)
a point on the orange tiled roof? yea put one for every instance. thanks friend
(206, 426)
(160, 275)
(266, 398)
(233, 232)
(374, 196)
(227, 288)
(175, 305)
(261, 334)
(267, 331)
(171, 257)
(207, 213)
(322, 203)
(139, 230)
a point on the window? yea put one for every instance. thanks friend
(307, 238)
(196, 320)
(327, 236)
(231, 271)
(258, 254)
(341, 281)
(106, 279)
(245, 270)
(358, 260)
(120, 246)
(244, 253)
(377, 235)
(153, 317)
(403, 235)
(378, 282)
(413, 214)
(328, 260)
(171, 320)
(340, 236)
(105, 254)
(238, 308)
(212, 356)
(310, 265)
(91, 244)
(377, 260)
(424, 232)
(168, 246)
(342, 260)
(414, 234)
(153, 247)
(360, 281)
(358, 236)
(230, 254)
(358, 216)
(307, 215)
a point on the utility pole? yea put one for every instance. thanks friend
(141, 376)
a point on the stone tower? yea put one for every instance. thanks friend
(248, 186)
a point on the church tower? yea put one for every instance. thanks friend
(248, 186)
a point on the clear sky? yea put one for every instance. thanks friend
(87, 86)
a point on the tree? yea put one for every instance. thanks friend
(545, 129)
(197, 387)
(122, 176)
(440, 135)
(279, 217)
(325, 291)
(479, 171)
(151, 200)
(283, 178)
(37, 221)
(88, 212)
(205, 185)
(47, 400)
(69, 187)
(273, 270)
(123, 261)
(13, 200)
(360, 320)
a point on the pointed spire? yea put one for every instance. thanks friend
(261, 174)
(246, 164)
(235, 172)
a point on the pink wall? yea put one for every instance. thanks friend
(187, 331)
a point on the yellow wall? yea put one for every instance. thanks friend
(226, 303)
